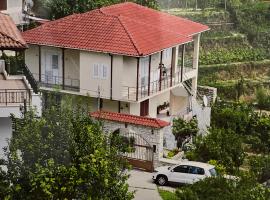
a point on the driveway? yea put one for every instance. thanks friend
(141, 182)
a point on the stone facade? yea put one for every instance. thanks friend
(153, 136)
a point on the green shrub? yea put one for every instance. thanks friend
(182, 129)
(221, 170)
(223, 189)
(260, 166)
(222, 55)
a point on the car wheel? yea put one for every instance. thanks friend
(162, 180)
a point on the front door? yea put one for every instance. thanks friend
(180, 174)
(52, 68)
(144, 106)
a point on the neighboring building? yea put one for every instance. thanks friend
(131, 57)
(16, 92)
(14, 8)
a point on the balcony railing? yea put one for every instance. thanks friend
(51, 81)
(130, 93)
(14, 96)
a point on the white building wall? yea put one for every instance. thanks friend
(89, 84)
(5, 133)
(32, 59)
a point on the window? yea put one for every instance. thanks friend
(213, 172)
(96, 71)
(181, 169)
(196, 170)
(167, 53)
(100, 71)
(144, 68)
(55, 61)
(104, 71)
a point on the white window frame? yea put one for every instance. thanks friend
(100, 71)
(104, 73)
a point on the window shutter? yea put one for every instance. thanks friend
(95, 71)
(104, 75)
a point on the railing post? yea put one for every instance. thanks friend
(6, 96)
(128, 93)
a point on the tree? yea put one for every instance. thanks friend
(221, 145)
(224, 189)
(263, 99)
(63, 155)
(183, 129)
(62, 8)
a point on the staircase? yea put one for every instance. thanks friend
(200, 107)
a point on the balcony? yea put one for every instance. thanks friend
(14, 97)
(57, 82)
(167, 81)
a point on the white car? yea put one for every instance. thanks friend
(187, 172)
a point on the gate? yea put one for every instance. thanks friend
(141, 153)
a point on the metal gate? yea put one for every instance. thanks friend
(141, 152)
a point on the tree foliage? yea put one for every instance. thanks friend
(224, 189)
(62, 155)
(221, 145)
(244, 121)
(62, 8)
(182, 129)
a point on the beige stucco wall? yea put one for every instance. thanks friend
(72, 66)
(134, 108)
(32, 59)
(88, 84)
(118, 76)
(155, 101)
(72, 61)
(129, 76)
(109, 105)
(177, 103)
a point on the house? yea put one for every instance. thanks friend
(127, 58)
(16, 92)
(14, 8)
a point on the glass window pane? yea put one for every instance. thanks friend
(55, 61)
(181, 169)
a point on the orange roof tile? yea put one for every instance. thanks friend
(131, 119)
(10, 36)
(125, 28)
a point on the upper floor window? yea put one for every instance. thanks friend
(100, 71)
(167, 53)
(3, 4)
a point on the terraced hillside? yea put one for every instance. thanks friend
(234, 58)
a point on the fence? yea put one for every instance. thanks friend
(14, 96)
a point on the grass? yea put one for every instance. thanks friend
(167, 195)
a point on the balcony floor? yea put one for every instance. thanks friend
(11, 83)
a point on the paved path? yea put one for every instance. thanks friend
(141, 182)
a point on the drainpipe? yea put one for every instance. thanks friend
(111, 84)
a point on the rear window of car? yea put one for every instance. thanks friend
(213, 172)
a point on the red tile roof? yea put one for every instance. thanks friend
(125, 28)
(10, 36)
(131, 119)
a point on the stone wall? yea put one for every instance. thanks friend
(153, 136)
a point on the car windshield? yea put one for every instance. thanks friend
(213, 172)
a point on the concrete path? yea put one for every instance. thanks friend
(141, 182)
